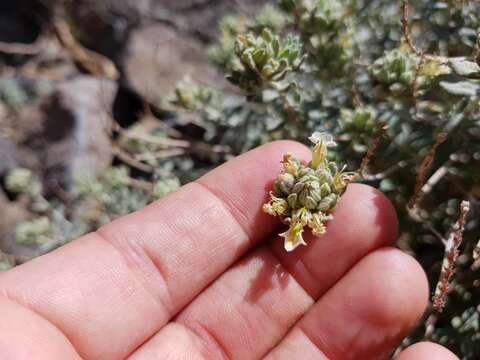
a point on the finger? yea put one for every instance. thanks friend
(426, 350)
(25, 335)
(365, 315)
(111, 290)
(252, 306)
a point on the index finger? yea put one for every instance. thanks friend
(111, 290)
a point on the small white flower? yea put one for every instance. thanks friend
(323, 137)
(293, 237)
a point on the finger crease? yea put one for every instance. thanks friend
(319, 344)
(209, 340)
(165, 301)
(229, 207)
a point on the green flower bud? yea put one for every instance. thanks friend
(328, 202)
(292, 200)
(284, 184)
(324, 176)
(325, 189)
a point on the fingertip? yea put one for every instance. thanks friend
(371, 309)
(426, 350)
(365, 204)
(398, 288)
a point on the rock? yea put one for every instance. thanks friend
(155, 43)
(79, 123)
(157, 58)
(104, 26)
(200, 17)
(69, 131)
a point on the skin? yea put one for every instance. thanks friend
(202, 274)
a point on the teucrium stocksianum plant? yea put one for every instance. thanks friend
(266, 60)
(304, 195)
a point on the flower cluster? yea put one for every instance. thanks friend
(222, 53)
(326, 28)
(192, 96)
(399, 69)
(266, 60)
(305, 195)
(359, 127)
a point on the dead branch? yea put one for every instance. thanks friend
(356, 97)
(162, 154)
(89, 60)
(20, 48)
(372, 148)
(406, 31)
(423, 171)
(131, 161)
(453, 242)
(151, 139)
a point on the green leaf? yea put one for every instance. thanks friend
(463, 67)
(260, 57)
(461, 88)
(276, 46)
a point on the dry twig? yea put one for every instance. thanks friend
(162, 154)
(356, 96)
(424, 168)
(155, 140)
(453, 242)
(131, 161)
(372, 149)
(91, 61)
(20, 48)
(406, 31)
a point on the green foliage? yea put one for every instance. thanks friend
(359, 126)
(326, 30)
(222, 53)
(414, 90)
(95, 201)
(266, 61)
(34, 232)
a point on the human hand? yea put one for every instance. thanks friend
(165, 282)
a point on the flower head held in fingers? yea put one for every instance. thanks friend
(305, 195)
